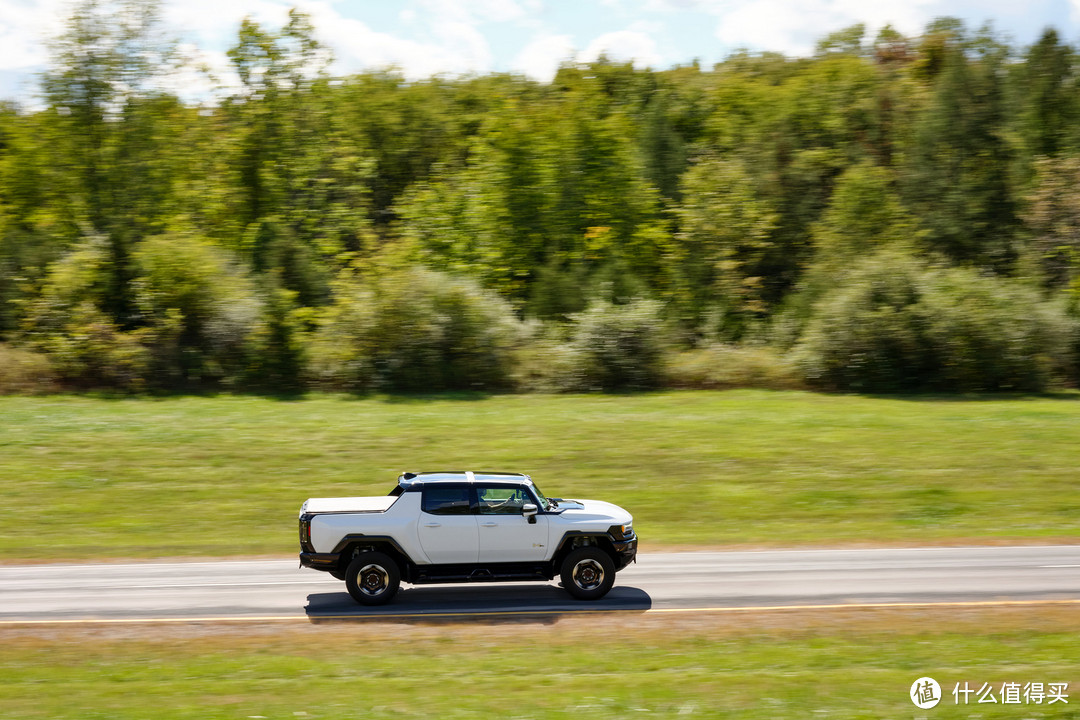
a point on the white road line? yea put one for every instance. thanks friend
(215, 585)
(181, 585)
(107, 564)
(733, 551)
(568, 613)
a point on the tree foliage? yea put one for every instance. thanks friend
(413, 329)
(900, 325)
(297, 229)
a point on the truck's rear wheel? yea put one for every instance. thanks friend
(372, 578)
(588, 573)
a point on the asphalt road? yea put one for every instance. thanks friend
(664, 582)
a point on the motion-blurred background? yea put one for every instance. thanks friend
(888, 212)
(193, 241)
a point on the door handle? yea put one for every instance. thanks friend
(489, 524)
(432, 524)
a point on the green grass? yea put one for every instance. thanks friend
(90, 477)
(842, 665)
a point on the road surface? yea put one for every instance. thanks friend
(659, 582)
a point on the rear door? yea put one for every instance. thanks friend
(505, 534)
(447, 527)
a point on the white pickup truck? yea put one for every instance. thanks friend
(440, 527)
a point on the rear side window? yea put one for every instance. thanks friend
(446, 500)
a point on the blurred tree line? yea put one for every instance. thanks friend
(891, 214)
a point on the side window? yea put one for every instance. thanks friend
(445, 500)
(501, 500)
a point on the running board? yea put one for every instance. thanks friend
(472, 574)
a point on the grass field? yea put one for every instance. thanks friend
(209, 476)
(829, 664)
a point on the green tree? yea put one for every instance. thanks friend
(897, 325)
(547, 183)
(67, 321)
(849, 41)
(1048, 90)
(795, 126)
(864, 215)
(1052, 215)
(619, 347)
(412, 329)
(725, 238)
(104, 90)
(198, 309)
(303, 177)
(410, 128)
(957, 175)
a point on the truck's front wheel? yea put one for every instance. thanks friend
(372, 578)
(588, 573)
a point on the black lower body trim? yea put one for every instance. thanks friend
(494, 572)
(625, 553)
(320, 561)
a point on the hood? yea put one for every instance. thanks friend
(348, 504)
(594, 510)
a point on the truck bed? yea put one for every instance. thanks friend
(349, 504)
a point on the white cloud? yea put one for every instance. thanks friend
(632, 45)
(671, 5)
(793, 27)
(24, 27)
(426, 37)
(467, 45)
(499, 10)
(217, 21)
(454, 48)
(542, 56)
(766, 24)
(474, 11)
(18, 51)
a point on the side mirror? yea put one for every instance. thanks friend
(529, 511)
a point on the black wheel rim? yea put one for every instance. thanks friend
(588, 574)
(372, 580)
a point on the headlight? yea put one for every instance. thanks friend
(621, 531)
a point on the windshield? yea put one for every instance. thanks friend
(544, 503)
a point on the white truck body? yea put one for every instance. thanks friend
(463, 526)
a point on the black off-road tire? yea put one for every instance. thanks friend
(587, 573)
(373, 578)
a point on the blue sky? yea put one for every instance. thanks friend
(424, 37)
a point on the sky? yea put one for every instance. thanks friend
(421, 38)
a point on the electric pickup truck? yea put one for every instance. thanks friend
(455, 527)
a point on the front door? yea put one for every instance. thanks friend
(447, 527)
(505, 534)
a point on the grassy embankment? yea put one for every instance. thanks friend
(192, 476)
(89, 478)
(839, 664)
